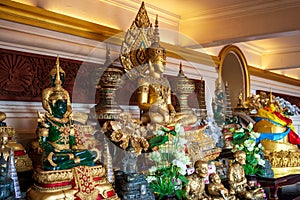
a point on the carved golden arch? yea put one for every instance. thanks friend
(233, 67)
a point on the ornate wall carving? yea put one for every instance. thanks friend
(23, 76)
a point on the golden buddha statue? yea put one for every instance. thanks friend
(154, 93)
(236, 177)
(216, 189)
(195, 189)
(257, 191)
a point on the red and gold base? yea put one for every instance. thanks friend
(82, 182)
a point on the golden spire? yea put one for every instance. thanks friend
(270, 104)
(58, 91)
(54, 70)
(156, 38)
(57, 80)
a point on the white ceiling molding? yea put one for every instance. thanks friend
(241, 9)
(133, 6)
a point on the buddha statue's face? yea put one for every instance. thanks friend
(59, 108)
(160, 64)
(252, 183)
(53, 78)
(157, 55)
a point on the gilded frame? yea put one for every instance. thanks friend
(232, 49)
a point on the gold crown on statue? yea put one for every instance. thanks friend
(58, 92)
(54, 69)
(155, 51)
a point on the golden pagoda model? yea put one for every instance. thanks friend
(277, 134)
(183, 87)
(68, 170)
(110, 81)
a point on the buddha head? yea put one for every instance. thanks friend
(59, 96)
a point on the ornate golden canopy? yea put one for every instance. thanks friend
(137, 39)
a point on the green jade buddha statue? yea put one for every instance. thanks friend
(57, 136)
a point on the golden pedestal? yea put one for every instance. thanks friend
(82, 182)
(284, 157)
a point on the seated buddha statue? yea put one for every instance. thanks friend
(68, 169)
(154, 93)
(56, 130)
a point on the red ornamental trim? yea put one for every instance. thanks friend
(51, 185)
(97, 178)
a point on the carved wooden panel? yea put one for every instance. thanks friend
(23, 76)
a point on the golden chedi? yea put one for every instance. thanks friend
(182, 87)
(278, 137)
(68, 169)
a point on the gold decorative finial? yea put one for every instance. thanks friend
(54, 70)
(57, 80)
(156, 38)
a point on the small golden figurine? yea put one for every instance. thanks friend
(216, 189)
(257, 191)
(195, 188)
(237, 179)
